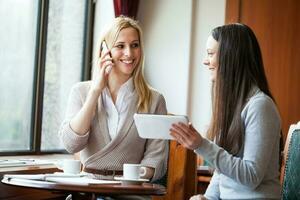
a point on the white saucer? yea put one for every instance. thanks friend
(130, 181)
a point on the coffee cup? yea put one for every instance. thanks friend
(69, 166)
(133, 171)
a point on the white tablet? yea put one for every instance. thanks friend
(157, 126)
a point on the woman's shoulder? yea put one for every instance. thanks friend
(260, 104)
(154, 91)
(82, 86)
(259, 98)
(158, 104)
(156, 95)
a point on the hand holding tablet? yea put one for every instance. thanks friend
(157, 126)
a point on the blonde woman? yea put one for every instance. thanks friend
(99, 118)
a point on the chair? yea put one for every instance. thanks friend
(204, 174)
(290, 170)
(182, 173)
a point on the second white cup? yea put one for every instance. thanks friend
(70, 166)
(133, 171)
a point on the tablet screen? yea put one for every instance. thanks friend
(156, 126)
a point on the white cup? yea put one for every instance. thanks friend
(133, 171)
(70, 166)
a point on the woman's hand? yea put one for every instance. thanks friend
(101, 73)
(198, 197)
(186, 135)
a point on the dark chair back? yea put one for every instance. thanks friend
(290, 172)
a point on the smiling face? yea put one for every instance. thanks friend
(211, 61)
(126, 52)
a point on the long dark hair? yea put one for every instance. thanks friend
(240, 69)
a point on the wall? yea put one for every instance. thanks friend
(207, 15)
(167, 29)
(175, 34)
(278, 35)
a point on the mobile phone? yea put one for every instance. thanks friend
(103, 50)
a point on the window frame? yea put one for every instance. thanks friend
(39, 74)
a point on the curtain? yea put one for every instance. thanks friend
(127, 8)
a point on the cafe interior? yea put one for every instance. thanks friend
(57, 40)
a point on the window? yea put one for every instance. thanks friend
(64, 59)
(17, 58)
(43, 53)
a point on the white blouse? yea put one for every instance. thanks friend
(116, 113)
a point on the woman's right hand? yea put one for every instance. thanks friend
(186, 135)
(101, 73)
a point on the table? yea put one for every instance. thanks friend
(90, 190)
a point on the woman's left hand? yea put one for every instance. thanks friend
(186, 135)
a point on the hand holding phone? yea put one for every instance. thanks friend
(102, 70)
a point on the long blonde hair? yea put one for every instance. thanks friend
(110, 37)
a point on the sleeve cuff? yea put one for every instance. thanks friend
(208, 150)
